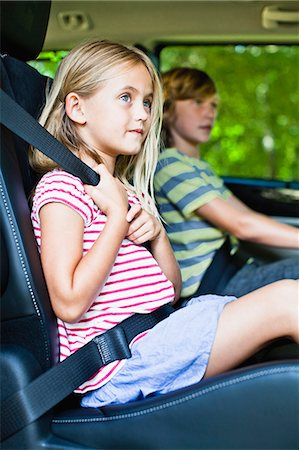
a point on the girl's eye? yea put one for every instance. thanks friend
(147, 103)
(125, 97)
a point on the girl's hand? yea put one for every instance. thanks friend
(143, 226)
(110, 194)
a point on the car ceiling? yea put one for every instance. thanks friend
(149, 23)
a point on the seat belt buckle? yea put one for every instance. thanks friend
(112, 345)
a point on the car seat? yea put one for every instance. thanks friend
(252, 407)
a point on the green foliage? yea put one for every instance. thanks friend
(47, 62)
(257, 131)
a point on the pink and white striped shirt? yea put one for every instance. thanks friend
(136, 283)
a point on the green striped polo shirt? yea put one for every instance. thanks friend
(182, 185)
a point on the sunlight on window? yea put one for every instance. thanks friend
(257, 131)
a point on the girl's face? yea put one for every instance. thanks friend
(118, 115)
(194, 120)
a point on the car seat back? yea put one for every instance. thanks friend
(28, 325)
(26, 314)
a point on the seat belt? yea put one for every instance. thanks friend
(223, 267)
(20, 122)
(219, 271)
(52, 386)
(44, 392)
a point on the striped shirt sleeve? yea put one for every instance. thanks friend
(188, 184)
(62, 187)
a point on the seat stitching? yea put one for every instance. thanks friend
(19, 250)
(21, 258)
(188, 397)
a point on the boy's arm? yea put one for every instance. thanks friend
(234, 216)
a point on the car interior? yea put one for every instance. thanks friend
(255, 406)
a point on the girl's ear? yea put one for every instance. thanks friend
(73, 108)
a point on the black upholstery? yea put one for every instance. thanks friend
(19, 79)
(21, 319)
(23, 27)
(254, 407)
(244, 409)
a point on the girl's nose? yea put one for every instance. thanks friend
(140, 111)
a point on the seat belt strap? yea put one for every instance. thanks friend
(222, 268)
(52, 386)
(20, 122)
(218, 270)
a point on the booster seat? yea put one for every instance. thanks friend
(252, 407)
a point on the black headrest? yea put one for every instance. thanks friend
(23, 27)
(25, 85)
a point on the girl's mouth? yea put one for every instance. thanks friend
(138, 131)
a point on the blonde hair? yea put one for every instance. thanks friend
(82, 71)
(182, 84)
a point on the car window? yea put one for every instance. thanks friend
(47, 62)
(257, 131)
(256, 134)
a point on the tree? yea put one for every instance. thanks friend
(257, 130)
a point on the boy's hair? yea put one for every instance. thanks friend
(183, 84)
(83, 71)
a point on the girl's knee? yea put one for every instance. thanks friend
(287, 297)
(289, 287)
(282, 311)
(280, 299)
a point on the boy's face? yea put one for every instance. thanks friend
(194, 119)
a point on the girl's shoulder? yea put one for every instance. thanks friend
(59, 177)
(59, 186)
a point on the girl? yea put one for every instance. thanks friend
(199, 211)
(105, 105)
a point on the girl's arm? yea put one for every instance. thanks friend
(234, 216)
(145, 227)
(163, 254)
(74, 280)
